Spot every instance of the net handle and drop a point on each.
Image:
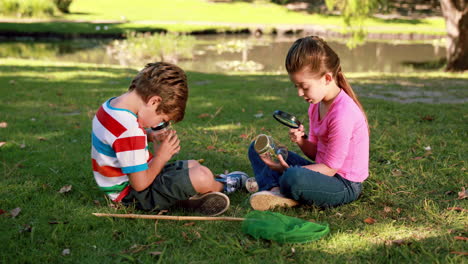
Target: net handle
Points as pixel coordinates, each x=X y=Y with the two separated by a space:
x=171 y=217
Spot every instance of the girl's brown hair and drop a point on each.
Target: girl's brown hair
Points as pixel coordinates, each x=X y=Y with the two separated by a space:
x=315 y=54
x=167 y=81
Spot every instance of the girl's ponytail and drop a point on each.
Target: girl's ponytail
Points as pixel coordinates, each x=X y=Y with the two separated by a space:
x=343 y=83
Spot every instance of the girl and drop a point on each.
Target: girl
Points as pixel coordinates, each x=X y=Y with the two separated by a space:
x=338 y=138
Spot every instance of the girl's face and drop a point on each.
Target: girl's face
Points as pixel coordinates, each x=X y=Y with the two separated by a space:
x=310 y=87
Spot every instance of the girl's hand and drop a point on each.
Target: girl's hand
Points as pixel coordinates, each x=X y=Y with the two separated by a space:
x=297 y=134
x=168 y=147
x=280 y=167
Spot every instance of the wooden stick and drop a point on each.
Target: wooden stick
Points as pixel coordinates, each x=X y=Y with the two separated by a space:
x=171 y=217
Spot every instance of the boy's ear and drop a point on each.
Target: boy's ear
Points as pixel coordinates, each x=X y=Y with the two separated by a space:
x=154 y=101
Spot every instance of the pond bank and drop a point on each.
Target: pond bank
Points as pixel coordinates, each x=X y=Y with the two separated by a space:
x=71 y=29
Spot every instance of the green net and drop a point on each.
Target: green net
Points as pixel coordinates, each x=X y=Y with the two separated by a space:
x=282 y=228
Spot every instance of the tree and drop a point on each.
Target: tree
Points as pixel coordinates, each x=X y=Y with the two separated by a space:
x=456 y=19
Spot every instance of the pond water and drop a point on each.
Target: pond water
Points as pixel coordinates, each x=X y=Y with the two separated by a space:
x=227 y=53
x=249 y=53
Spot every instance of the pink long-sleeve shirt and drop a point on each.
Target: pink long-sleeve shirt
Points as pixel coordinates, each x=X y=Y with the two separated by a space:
x=342 y=138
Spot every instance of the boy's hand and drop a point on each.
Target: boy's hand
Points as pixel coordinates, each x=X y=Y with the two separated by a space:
x=168 y=147
x=297 y=134
x=280 y=167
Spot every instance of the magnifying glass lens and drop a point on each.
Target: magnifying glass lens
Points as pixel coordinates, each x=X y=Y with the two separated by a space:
x=288 y=122
x=286 y=119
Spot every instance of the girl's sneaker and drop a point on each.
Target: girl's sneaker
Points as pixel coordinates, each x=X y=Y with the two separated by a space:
x=233 y=181
x=266 y=200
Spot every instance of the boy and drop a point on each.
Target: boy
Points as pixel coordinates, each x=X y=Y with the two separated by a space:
x=122 y=165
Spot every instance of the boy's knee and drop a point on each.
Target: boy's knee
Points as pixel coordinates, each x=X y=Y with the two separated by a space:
x=192 y=163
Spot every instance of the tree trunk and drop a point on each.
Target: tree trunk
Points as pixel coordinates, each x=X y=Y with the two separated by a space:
x=456 y=20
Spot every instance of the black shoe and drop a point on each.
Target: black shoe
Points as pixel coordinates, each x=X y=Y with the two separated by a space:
x=212 y=203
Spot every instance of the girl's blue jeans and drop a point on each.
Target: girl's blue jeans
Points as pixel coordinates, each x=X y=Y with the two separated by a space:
x=304 y=185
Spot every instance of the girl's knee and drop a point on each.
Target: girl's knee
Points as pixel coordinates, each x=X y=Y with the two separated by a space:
x=252 y=151
x=290 y=176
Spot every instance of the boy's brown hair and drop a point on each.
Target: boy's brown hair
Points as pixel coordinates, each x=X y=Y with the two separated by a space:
x=167 y=81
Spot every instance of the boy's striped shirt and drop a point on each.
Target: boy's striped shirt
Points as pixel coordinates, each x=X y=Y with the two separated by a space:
x=119 y=147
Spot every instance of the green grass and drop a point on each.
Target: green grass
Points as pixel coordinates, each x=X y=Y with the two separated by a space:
x=200 y=15
x=48 y=109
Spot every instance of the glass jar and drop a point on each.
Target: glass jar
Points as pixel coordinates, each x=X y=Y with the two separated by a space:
x=160 y=131
x=266 y=145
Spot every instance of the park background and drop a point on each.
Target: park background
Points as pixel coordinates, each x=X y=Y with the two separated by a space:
x=60 y=63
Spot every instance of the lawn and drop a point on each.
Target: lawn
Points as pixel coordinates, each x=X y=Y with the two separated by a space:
x=201 y=15
x=411 y=209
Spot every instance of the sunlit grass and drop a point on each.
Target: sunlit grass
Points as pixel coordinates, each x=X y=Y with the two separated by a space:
x=199 y=15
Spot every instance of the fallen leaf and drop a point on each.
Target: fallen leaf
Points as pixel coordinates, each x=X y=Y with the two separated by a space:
x=398 y=210
x=427 y=118
x=2 y=211
x=184 y=235
x=189 y=224
x=210 y=147
x=66 y=252
x=370 y=220
x=397 y=172
x=15 y=212
x=462 y=194
x=245 y=136
x=416 y=158
x=259 y=115
x=65 y=189
x=201 y=161
x=387 y=209
x=221 y=150
x=42 y=139
x=53 y=223
x=96 y=202
x=2 y=143
x=457 y=208
x=461 y=238
x=197 y=234
x=459 y=253
x=204 y=115
x=3 y=124
x=155 y=253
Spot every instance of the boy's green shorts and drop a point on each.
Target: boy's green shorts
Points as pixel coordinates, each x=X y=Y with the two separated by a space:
x=171 y=185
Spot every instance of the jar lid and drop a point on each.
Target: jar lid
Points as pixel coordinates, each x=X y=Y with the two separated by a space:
x=161 y=125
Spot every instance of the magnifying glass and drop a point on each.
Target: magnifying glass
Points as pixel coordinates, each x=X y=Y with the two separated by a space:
x=287 y=120
x=161 y=126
